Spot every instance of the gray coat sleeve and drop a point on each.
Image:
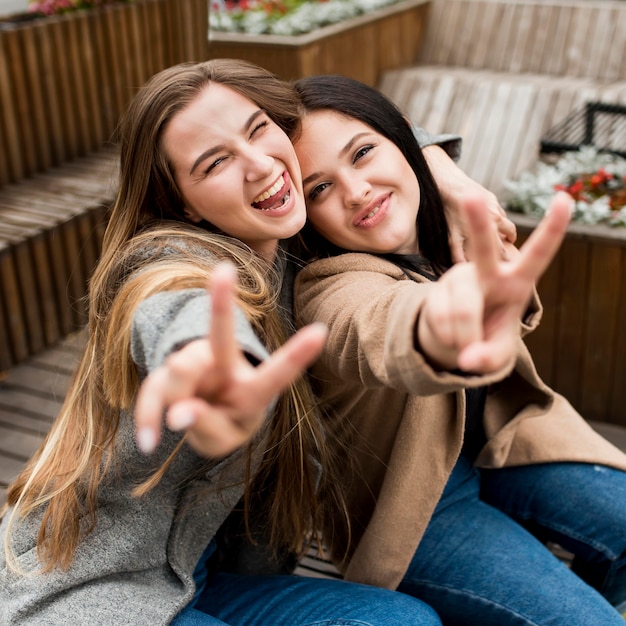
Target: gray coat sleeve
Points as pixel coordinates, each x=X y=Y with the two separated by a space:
x=450 y=143
x=167 y=321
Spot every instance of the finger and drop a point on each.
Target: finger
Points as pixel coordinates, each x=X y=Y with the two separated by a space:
x=222 y=331
x=544 y=242
x=179 y=377
x=507 y=229
x=467 y=314
x=437 y=321
x=483 y=242
x=289 y=362
x=457 y=247
x=488 y=356
x=151 y=403
x=211 y=431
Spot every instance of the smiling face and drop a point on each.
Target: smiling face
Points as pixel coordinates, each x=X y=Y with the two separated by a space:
x=236 y=169
x=361 y=193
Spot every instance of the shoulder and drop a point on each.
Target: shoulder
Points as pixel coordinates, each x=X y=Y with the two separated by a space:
x=168 y=320
x=360 y=262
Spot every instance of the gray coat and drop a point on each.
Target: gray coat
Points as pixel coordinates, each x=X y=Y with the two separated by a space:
x=136 y=567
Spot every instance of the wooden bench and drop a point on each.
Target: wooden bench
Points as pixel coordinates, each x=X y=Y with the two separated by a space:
x=500 y=115
x=574 y=38
x=51 y=228
x=64 y=81
x=502 y=73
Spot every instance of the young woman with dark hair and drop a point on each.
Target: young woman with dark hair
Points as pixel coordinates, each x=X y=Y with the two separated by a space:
x=458 y=461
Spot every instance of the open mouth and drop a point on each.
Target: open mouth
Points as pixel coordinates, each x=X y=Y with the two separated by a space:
x=371 y=215
x=275 y=197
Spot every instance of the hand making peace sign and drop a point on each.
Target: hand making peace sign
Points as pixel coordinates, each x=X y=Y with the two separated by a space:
x=471 y=317
x=211 y=390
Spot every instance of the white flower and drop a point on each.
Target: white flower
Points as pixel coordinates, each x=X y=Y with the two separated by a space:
x=593 y=178
x=303 y=18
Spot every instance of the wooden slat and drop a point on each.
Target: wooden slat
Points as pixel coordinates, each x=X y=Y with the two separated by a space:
x=12 y=148
x=28 y=403
x=13 y=308
x=29 y=296
x=570 y=306
x=617 y=399
x=606 y=284
x=614 y=59
x=60 y=68
x=45 y=73
x=36 y=425
x=34 y=86
x=580 y=38
x=20 y=445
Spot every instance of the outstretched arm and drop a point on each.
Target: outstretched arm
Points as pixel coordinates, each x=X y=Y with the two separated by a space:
x=454 y=186
x=210 y=389
x=471 y=319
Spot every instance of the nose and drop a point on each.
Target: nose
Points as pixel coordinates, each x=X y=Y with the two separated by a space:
x=356 y=190
x=259 y=164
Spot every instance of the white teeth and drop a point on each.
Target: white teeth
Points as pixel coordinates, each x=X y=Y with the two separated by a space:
x=276 y=187
x=372 y=212
x=284 y=200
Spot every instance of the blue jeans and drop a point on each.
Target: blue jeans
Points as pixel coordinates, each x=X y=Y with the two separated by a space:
x=238 y=600
x=482 y=559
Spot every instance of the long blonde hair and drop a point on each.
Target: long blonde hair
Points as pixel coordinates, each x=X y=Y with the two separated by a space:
x=148 y=248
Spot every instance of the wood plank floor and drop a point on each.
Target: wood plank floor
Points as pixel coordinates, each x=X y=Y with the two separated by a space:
x=31 y=395
x=30 y=398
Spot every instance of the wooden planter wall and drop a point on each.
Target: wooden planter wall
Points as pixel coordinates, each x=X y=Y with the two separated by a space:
x=63 y=83
x=362 y=47
x=580 y=345
x=65 y=79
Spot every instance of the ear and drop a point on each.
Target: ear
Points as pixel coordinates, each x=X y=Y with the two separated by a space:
x=408 y=121
x=192 y=215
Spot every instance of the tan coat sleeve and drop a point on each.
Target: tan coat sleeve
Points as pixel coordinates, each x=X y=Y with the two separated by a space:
x=371 y=309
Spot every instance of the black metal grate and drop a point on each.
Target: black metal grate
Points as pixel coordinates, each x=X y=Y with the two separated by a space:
x=597 y=124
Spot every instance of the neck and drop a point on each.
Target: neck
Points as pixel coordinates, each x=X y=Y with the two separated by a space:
x=267 y=250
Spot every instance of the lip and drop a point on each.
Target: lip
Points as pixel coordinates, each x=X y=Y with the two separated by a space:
x=380 y=204
x=285 y=196
x=271 y=195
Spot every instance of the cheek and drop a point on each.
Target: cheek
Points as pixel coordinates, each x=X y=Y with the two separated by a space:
x=327 y=222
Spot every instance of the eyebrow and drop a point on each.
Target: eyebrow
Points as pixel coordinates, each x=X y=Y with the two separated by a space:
x=211 y=151
x=342 y=153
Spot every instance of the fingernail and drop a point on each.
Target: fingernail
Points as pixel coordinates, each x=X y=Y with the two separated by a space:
x=146 y=440
x=181 y=421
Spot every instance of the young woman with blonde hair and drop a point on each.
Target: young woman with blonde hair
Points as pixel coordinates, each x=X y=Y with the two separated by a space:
x=121 y=522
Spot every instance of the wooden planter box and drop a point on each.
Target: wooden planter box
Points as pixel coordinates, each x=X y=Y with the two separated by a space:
x=580 y=345
x=361 y=47
x=65 y=79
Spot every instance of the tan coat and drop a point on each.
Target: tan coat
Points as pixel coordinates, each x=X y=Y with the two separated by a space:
x=398 y=424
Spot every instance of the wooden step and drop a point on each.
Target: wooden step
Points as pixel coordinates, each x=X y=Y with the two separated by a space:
x=51 y=228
